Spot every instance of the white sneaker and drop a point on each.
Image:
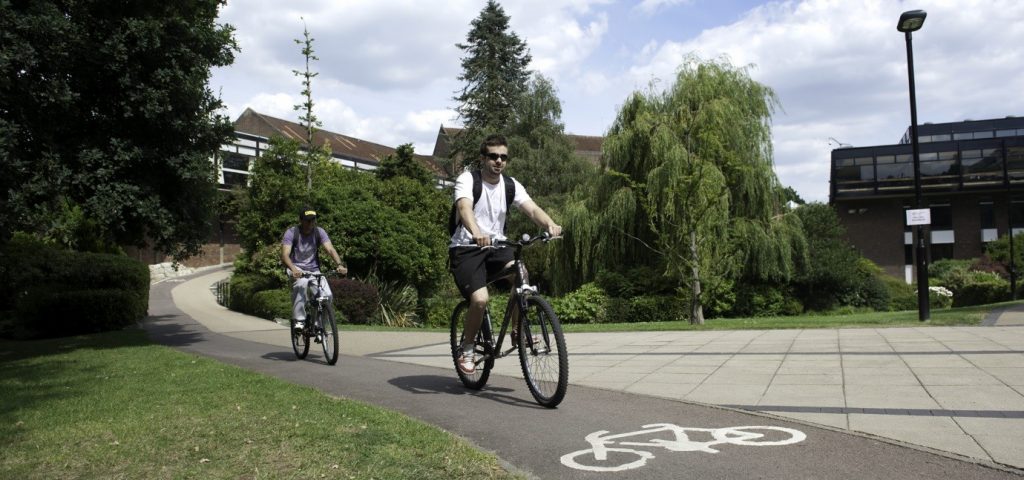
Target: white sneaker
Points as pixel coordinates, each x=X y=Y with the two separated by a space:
x=300 y=325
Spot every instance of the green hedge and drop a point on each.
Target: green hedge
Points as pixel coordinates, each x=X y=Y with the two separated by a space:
x=243 y=293
x=53 y=292
x=660 y=308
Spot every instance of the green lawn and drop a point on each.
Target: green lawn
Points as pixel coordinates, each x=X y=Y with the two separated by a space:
x=115 y=406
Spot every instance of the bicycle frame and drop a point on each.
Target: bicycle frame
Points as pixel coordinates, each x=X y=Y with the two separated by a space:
x=517 y=299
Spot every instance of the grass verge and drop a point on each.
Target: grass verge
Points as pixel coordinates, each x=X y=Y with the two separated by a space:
x=961 y=316
x=115 y=406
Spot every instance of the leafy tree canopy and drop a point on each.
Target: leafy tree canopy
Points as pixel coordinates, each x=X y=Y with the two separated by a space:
x=689 y=186
x=106 y=122
x=402 y=163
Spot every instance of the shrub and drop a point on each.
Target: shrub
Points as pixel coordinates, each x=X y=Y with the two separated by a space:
x=765 y=301
x=243 y=291
x=271 y=304
x=646 y=309
x=584 y=305
x=358 y=301
x=939 y=297
x=980 y=288
x=53 y=292
x=397 y=303
x=439 y=310
x=901 y=294
x=969 y=287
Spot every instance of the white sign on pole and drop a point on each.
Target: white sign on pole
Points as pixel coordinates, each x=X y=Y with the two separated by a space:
x=919 y=216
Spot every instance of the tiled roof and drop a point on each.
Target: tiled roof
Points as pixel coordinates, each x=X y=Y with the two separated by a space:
x=343 y=146
x=587 y=146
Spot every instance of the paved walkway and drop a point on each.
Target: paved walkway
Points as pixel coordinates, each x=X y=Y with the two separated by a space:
x=958 y=390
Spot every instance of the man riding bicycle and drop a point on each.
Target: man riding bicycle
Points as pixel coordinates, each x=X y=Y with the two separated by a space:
x=481 y=204
x=300 y=252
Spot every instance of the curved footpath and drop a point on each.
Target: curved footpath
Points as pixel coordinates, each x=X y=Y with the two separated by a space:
x=937 y=396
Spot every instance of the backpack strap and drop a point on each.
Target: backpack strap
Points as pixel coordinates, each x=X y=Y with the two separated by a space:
x=477 y=186
x=510 y=196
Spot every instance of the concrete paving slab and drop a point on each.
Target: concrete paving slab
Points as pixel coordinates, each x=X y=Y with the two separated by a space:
x=978 y=397
x=808 y=379
x=934 y=432
x=889 y=396
x=804 y=395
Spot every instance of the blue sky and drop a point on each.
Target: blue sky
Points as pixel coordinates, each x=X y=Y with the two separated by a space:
x=388 y=68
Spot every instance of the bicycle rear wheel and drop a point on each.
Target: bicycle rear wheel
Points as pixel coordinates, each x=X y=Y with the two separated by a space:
x=300 y=341
x=477 y=379
x=542 y=352
x=330 y=334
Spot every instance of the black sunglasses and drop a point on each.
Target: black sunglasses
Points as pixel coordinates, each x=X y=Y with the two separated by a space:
x=495 y=156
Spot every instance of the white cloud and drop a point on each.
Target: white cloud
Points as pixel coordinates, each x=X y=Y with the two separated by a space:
x=649 y=7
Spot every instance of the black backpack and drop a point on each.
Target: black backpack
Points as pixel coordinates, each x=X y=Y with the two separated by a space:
x=510 y=194
x=296 y=233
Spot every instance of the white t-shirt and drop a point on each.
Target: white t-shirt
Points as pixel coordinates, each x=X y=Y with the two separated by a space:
x=489 y=210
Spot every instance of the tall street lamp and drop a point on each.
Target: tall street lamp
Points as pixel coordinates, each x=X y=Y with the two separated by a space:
x=910 y=22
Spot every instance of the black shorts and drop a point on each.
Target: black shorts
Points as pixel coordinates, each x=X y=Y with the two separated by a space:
x=472 y=265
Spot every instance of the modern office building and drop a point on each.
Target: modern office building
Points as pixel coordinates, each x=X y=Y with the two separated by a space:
x=972 y=179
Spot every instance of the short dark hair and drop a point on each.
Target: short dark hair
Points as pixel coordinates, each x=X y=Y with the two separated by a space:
x=493 y=140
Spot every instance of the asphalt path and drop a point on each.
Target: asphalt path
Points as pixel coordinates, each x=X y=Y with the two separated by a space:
x=681 y=440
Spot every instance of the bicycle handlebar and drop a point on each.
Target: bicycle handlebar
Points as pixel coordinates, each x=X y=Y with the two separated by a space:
x=526 y=240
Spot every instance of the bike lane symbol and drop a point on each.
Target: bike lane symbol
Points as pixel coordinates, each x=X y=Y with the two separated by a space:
x=596 y=458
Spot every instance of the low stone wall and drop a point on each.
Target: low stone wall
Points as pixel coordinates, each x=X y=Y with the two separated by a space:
x=163 y=271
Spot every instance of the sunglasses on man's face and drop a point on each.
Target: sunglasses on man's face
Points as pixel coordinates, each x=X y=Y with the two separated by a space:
x=495 y=156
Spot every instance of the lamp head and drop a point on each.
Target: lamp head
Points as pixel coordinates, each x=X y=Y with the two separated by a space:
x=911 y=21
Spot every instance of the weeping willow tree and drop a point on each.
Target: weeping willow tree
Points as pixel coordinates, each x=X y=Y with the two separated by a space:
x=688 y=187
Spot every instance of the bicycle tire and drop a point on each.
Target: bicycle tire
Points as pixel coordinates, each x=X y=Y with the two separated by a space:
x=330 y=334
x=478 y=379
x=300 y=341
x=545 y=364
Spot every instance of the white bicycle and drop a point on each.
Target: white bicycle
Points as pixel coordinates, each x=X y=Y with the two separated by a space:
x=685 y=439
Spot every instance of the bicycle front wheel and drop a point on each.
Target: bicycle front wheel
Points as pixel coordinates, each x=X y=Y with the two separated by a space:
x=329 y=339
x=300 y=342
x=542 y=352
x=478 y=378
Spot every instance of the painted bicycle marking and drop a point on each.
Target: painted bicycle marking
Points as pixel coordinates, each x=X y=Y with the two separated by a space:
x=686 y=439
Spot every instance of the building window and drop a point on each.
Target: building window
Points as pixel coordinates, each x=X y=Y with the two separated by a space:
x=941 y=251
x=236 y=161
x=988 y=221
x=942 y=217
x=982 y=166
x=235 y=179
x=1015 y=162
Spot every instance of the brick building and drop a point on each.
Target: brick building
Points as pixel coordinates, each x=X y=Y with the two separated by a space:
x=972 y=179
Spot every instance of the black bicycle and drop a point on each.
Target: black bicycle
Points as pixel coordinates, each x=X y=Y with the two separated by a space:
x=320 y=325
x=536 y=334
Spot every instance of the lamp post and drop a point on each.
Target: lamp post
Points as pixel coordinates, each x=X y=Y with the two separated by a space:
x=910 y=22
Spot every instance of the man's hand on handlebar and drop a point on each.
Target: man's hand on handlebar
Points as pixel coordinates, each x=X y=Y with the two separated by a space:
x=296 y=272
x=341 y=269
x=482 y=240
x=555 y=230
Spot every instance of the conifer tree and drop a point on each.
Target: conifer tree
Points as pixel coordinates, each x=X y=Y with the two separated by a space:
x=495 y=73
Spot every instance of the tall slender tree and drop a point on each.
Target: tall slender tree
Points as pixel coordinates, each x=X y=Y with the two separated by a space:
x=495 y=73
x=308 y=119
x=689 y=186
